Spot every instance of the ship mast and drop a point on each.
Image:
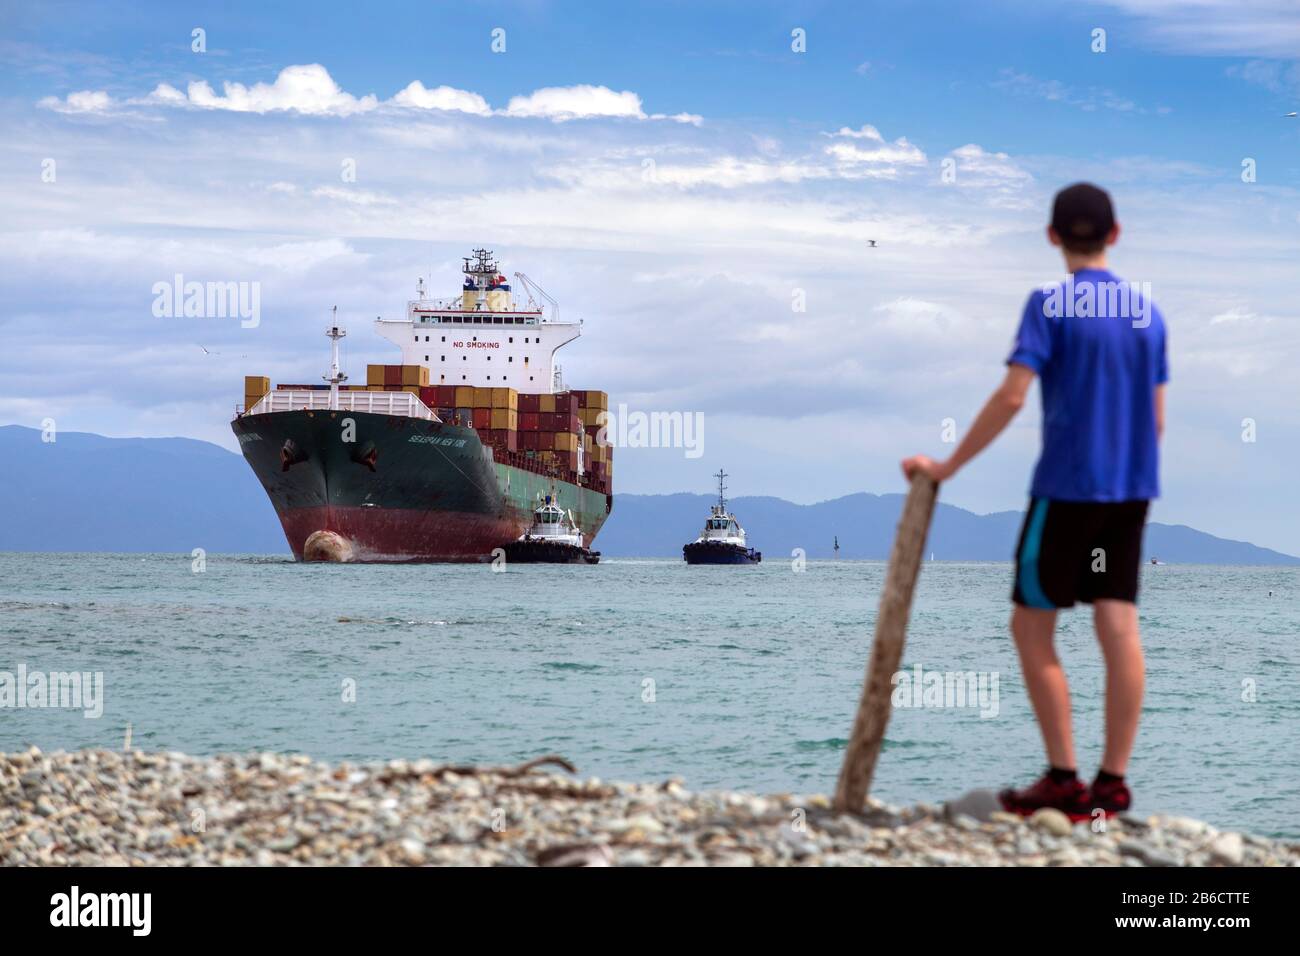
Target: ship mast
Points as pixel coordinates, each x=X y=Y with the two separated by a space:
x=482 y=269
x=335 y=377
x=722 y=501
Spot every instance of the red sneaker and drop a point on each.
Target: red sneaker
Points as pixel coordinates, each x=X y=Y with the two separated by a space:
x=1111 y=797
x=1070 y=797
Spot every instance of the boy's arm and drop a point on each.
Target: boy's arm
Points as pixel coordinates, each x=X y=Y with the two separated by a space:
x=1160 y=411
x=989 y=423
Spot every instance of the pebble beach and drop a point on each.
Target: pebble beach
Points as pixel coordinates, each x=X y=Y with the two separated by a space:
x=97 y=807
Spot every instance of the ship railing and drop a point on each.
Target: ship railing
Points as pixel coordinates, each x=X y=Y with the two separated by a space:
x=377 y=403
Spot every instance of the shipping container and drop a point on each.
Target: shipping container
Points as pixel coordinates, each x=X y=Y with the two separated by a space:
x=546 y=403
x=464 y=396
x=375 y=374
x=545 y=440
x=507 y=439
x=528 y=402
x=482 y=418
x=505 y=398
x=375 y=388
x=414 y=374
x=529 y=421
x=447 y=414
x=505 y=418
x=566 y=441
x=446 y=396
x=528 y=440
x=392 y=375
x=566 y=403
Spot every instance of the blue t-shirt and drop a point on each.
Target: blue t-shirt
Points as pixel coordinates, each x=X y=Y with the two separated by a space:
x=1098 y=347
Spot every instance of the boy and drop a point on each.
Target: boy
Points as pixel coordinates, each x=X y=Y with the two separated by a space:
x=1099 y=351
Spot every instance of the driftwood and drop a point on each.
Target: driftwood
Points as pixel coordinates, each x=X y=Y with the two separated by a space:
x=887 y=650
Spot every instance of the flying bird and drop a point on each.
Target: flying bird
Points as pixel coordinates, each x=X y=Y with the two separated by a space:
x=872 y=243
x=1291 y=114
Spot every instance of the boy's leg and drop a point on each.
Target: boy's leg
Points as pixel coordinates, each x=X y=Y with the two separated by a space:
x=1121 y=646
x=1033 y=630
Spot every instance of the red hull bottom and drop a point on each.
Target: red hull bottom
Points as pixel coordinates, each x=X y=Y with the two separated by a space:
x=397 y=534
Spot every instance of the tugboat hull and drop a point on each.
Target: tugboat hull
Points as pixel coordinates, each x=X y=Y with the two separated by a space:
x=549 y=552
x=707 y=552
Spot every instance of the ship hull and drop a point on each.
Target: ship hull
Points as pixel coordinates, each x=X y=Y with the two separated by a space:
x=403 y=489
x=698 y=552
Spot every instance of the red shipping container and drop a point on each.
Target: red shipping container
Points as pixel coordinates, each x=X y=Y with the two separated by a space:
x=566 y=403
x=392 y=375
x=482 y=417
x=528 y=402
x=429 y=395
x=528 y=421
x=505 y=438
x=528 y=440
x=446 y=395
x=545 y=441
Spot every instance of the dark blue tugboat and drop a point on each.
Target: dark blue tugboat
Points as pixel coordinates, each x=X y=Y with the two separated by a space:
x=723 y=539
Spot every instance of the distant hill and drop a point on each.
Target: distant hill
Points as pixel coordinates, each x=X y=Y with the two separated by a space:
x=89 y=493
x=652 y=525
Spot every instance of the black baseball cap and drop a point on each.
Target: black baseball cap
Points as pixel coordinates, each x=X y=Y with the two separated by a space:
x=1083 y=214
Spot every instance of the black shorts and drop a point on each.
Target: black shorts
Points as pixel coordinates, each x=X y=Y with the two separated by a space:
x=1079 y=551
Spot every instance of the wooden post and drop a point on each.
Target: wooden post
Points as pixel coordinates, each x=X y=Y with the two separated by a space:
x=887 y=650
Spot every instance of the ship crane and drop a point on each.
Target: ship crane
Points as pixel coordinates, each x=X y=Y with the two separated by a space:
x=531 y=287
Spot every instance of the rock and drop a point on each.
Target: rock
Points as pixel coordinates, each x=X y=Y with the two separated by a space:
x=979 y=805
x=1146 y=854
x=1051 y=821
x=1228 y=849
x=1001 y=816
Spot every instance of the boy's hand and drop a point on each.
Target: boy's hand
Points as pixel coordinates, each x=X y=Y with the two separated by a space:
x=938 y=470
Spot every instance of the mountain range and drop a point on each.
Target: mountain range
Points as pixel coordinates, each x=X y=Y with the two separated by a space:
x=85 y=492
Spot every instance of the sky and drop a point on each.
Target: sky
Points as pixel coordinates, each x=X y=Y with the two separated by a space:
x=682 y=176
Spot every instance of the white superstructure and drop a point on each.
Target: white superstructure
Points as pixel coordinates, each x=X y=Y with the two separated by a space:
x=484 y=338
x=721 y=527
x=553 y=524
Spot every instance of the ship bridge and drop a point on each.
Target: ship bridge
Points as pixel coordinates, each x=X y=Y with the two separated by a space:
x=484 y=337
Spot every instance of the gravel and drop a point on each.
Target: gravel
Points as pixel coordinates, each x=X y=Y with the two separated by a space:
x=98 y=807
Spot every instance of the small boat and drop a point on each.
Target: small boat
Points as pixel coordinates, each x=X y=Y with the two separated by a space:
x=553 y=538
x=723 y=539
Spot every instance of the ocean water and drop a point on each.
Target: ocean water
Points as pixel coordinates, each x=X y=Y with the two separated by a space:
x=739 y=677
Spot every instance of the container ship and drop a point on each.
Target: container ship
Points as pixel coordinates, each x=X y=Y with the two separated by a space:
x=444 y=456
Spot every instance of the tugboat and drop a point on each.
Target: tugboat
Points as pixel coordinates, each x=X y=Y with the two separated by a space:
x=553 y=538
x=723 y=539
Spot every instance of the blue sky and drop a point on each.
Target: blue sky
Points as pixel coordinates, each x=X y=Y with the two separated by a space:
x=771 y=170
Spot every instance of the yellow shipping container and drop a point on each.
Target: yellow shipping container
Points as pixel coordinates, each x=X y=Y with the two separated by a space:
x=505 y=398
x=374 y=388
x=415 y=375
x=257 y=385
x=590 y=416
x=566 y=441
x=413 y=389
x=506 y=418
x=597 y=400
x=546 y=402
x=464 y=396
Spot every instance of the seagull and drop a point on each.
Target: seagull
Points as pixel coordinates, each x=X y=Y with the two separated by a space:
x=1291 y=114
x=872 y=243
x=206 y=352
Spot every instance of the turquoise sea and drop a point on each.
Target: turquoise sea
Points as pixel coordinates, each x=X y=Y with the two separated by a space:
x=736 y=677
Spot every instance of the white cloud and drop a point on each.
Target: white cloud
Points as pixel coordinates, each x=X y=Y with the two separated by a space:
x=874 y=149
x=306 y=89
x=1218 y=27
x=309 y=89
x=85 y=101
x=561 y=103
x=417 y=96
